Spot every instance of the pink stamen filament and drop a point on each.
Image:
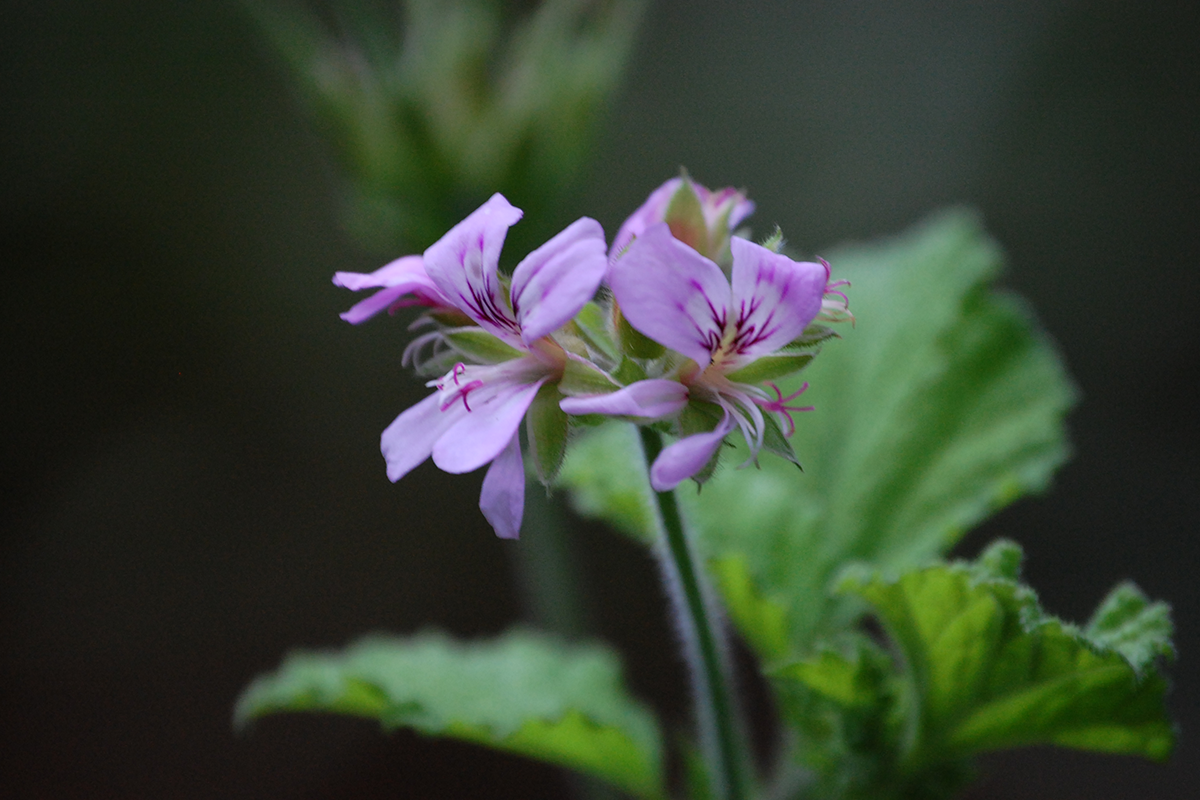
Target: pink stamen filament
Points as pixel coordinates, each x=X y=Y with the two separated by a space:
x=780 y=405
x=832 y=289
x=462 y=392
x=461 y=389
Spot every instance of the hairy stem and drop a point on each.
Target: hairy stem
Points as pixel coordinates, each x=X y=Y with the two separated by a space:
x=720 y=734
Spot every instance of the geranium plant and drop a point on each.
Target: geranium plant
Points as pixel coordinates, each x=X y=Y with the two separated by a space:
x=848 y=418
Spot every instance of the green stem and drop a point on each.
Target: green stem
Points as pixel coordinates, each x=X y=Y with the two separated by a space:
x=720 y=734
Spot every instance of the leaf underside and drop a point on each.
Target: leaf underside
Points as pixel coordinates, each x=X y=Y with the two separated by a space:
x=524 y=693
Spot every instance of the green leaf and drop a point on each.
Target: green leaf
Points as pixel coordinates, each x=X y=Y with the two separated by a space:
x=1133 y=626
x=764 y=620
x=985 y=668
x=849 y=681
x=942 y=405
x=524 y=693
x=841 y=701
x=606 y=475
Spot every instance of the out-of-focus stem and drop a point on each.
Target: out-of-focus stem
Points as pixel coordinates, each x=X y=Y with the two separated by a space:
x=720 y=734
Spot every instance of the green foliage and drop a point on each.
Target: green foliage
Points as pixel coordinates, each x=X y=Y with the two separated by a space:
x=981 y=667
x=943 y=404
x=432 y=105
x=606 y=475
x=524 y=693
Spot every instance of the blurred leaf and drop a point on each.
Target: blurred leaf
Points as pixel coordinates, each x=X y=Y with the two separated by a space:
x=605 y=473
x=524 y=693
x=433 y=105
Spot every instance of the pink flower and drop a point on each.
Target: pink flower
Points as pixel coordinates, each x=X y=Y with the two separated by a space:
x=723 y=328
x=473 y=417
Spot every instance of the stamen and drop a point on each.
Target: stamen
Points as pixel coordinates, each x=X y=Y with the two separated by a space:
x=462 y=392
x=780 y=405
x=411 y=357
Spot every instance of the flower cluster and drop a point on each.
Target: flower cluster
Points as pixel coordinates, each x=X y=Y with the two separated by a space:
x=696 y=324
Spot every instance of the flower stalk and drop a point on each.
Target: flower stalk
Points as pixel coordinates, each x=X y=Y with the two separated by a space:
x=721 y=739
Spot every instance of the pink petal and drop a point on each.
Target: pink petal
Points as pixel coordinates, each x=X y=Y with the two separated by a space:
x=774 y=298
x=552 y=283
x=653 y=398
x=650 y=212
x=478 y=435
x=671 y=293
x=380 y=301
x=410 y=438
x=463 y=264
x=683 y=459
x=502 y=499
x=401 y=277
x=400 y=271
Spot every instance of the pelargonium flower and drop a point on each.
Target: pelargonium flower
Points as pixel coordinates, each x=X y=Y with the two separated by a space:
x=732 y=335
x=474 y=415
x=698 y=216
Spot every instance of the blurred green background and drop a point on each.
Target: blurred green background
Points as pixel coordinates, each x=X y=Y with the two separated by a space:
x=191 y=478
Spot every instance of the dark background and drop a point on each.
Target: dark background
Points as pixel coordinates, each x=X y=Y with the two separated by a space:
x=191 y=478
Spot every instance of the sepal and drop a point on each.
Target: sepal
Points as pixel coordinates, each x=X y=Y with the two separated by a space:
x=479 y=346
x=701 y=417
x=547 y=427
x=633 y=342
x=812 y=337
x=772 y=367
x=582 y=377
x=776 y=443
x=591 y=325
x=685 y=217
